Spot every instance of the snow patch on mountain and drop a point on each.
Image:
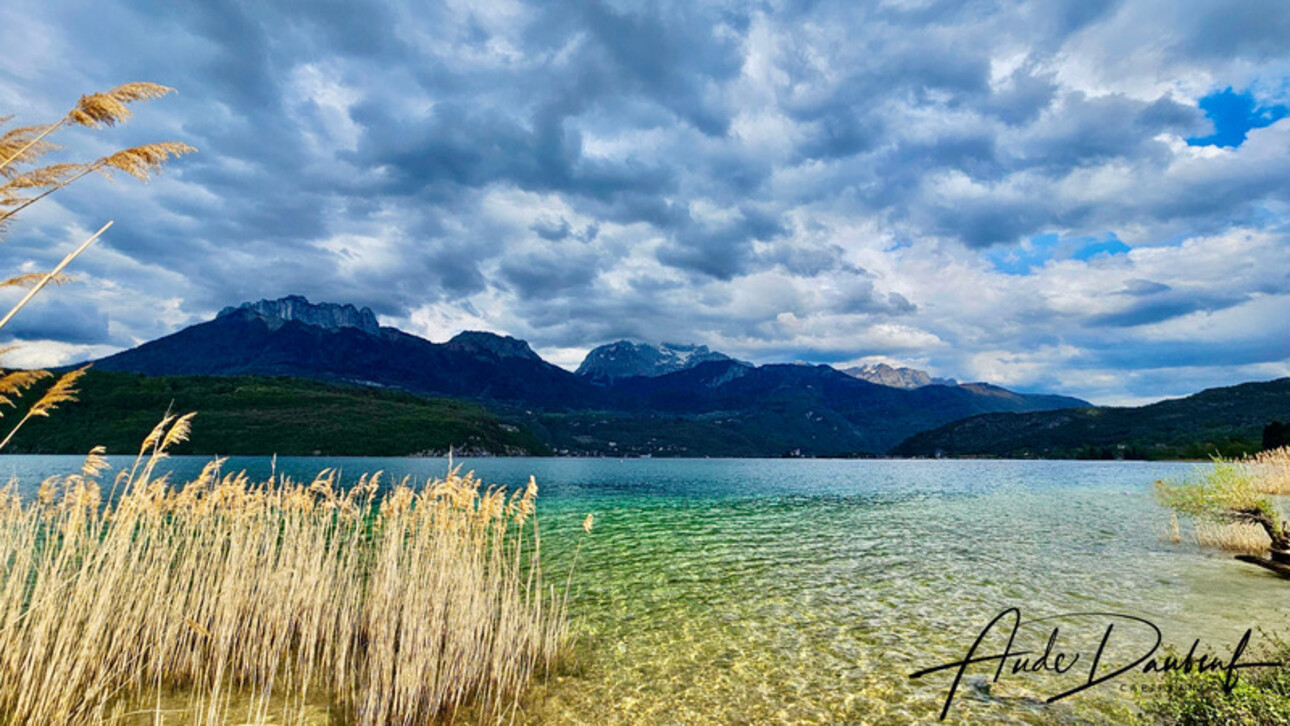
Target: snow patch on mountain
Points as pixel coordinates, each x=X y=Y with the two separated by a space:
x=625 y=359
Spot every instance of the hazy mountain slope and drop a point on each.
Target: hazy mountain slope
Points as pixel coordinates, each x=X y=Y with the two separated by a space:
x=1185 y=427
x=816 y=408
x=257 y=415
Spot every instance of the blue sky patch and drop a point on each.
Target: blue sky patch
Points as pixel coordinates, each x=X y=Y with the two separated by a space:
x=1038 y=250
x=1233 y=115
x=1023 y=258
x=1106 y=247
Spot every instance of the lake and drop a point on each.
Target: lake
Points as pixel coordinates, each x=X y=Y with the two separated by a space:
x=755 y=591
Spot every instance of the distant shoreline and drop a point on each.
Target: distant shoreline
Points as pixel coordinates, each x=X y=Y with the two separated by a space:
x=260 y=416
x=460 y=456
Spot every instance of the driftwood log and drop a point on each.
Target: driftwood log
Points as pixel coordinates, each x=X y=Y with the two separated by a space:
x=1279 y=534
x=1280 y=568
x=1278 y=560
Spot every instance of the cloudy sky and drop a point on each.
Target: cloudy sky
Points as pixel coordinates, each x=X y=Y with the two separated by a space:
x=1085 y=197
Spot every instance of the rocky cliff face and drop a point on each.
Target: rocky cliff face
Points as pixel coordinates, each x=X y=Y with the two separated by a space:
x=907 y=378
x=329 y=316
x=625 y=359
x=479 y=342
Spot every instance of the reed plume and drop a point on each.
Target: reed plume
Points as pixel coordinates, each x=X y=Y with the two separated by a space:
x=95 y=110
x=63 y=391
x=31 y=279
x=109 y=109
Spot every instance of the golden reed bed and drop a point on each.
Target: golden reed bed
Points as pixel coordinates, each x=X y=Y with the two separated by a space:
x=1271 y=470
x=254 y=602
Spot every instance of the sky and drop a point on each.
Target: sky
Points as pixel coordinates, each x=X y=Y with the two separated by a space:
x=1083 y=197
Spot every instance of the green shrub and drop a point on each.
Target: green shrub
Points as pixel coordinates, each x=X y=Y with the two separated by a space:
x=1261 y=696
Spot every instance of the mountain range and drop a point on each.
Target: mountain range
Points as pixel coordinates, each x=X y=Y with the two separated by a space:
x=255 y=340
x=627 y=398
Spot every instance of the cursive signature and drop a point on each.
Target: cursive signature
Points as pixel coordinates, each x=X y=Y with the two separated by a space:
x=1053 y=660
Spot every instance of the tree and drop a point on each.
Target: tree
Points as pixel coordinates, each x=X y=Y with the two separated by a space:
x=23 y=183
x=1276 y=435
x=1228 y=493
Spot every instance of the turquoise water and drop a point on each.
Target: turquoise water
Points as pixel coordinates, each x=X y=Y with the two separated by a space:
x=755 y=591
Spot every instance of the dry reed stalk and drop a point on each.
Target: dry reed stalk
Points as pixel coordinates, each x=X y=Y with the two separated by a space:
x=396 y=607
x=1271 y=470
x=50 y=277
x=1233 y=537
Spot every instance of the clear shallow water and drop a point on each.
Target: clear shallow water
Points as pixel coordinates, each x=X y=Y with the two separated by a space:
x=755 y=591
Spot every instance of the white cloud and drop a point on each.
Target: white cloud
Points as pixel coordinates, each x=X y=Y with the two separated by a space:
x=806 y=180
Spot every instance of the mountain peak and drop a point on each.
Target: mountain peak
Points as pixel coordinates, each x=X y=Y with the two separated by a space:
x=502 y=346
x=626 y=359
x=330 y=316
x=885 y=375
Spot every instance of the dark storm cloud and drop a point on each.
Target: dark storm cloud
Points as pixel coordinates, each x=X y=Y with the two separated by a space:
x=720 y=250
x=990 y=221
x=1254 y=30
x=669 y=57
x=806 y=260
x=1142 y=288
x=1093 y=130
x=58 y=319
x=1167 y=304
x=1191 y=354
x=547 y=274
x=1022 y=98
x=552 y=231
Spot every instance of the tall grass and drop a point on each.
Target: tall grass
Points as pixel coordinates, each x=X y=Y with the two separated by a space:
x=255 y=601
